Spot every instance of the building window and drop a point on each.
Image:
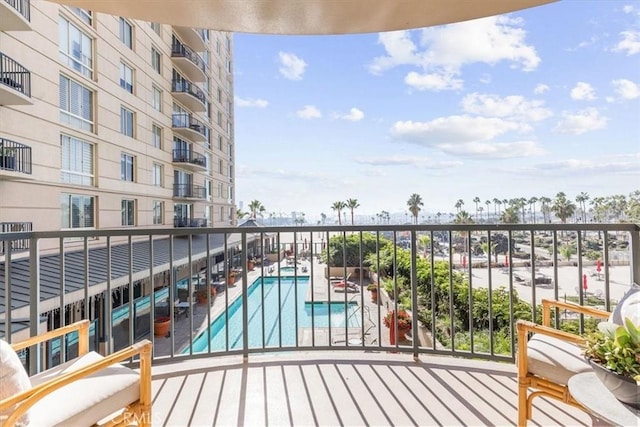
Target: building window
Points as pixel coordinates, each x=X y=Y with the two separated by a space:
x=77 y=211
x=156 y=60
x=156 y=136
x=76 y=48
x=228 y=44
x=126 y=33
x=126 y=122
x=76 y=161
x=157 y=175
x=155 y=27
x=76 y=104
x=126 y=77
x=220 y=166
x=158 y=209
x=229 y=128
x=128 y=212
x=220 y=142
x=220 y=95
x=208 y=187
x=220 y=189
x=84 y=15
x=126 y=167
x=219 y=118
x=229 y=66
x=156 y=98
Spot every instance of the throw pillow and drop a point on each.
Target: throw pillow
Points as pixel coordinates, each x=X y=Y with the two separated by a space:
x=628 y=306
x=13 y=379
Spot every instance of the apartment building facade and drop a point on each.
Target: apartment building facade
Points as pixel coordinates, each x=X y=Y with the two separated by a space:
x=108 y=122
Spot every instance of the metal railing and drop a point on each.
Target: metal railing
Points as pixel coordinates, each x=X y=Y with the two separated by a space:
x=181 y=51
x=23 y=7
x=186 y=86
x=18 y=245
x=14 y=75
x=189 y=222
x=189 y=191
x=14 y=156
x=189 y=156
x=186 y=120
x=310 y=288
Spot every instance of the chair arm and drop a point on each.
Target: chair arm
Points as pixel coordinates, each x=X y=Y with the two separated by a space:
x=82 y=326
x=28 y=398
x=590 y=311
x=524 y=326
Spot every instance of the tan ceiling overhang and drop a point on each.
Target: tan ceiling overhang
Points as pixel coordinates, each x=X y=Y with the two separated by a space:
x=304 y=16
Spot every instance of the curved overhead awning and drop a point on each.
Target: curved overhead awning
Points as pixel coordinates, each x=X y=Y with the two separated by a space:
x=304 y=16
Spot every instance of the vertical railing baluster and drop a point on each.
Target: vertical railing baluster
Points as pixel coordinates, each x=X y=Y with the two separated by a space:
x=414 y=293
x=245 y=300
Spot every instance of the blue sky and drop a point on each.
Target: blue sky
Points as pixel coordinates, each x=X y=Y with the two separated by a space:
x=519 y=105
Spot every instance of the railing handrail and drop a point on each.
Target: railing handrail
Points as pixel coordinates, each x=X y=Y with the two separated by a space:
x=14 y=75
x=15 y=156
x=179 y=49
x=185 y=86
x=23 y=7
x=189 y=156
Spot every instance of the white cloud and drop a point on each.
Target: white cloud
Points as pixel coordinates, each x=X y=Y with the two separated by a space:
x=433 y=81
x=421 y=162
x=493 y=150
x=628 y=9
x=291 y=67
x=540 y=89
x=513 y=107
x=309 y=112
x=251 y=102
x=583 y=121
x=573 y=167
x=583 y=92
x=444 y=50
x=626 y=89
x=485 y=78
x=630 y=42
x=354 y=115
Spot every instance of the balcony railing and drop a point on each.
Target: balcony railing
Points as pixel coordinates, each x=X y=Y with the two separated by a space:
x=187 y=121
x=19 y=245
x=189 y=156
x=23 y=7
x=189 y=191
x=14 y=75
x=310 y=288
x=189 y=222
x=180 y=50
x=188 y=87
x=14 y=156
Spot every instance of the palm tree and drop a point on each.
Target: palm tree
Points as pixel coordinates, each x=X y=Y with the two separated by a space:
x=439 y=214
x=488 y=203
x=256 y=208
x=463 y=217
x=476 y=200
x=459 y=204
x=545 y=208
x=562 y=207
x=582 y=199
x=352 y=204
x=532 y=205
x=509 y=215
x=338 y=206
x=496 y=206
x=323 y=218
x=414 y=203
x=240 y=214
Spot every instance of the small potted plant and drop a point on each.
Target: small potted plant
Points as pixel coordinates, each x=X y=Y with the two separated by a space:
x=373 y=288
x=614 y=353
x=7 y=157
x=161 y=326
x=403 y=320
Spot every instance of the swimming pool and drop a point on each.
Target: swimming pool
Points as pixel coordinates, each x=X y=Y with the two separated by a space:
x=287 y=270
x=287 y=294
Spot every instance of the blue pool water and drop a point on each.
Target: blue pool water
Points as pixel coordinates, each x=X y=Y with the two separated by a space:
x=277 y=330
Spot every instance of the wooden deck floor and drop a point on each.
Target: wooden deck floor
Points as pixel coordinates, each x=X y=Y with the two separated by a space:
x=344 y=388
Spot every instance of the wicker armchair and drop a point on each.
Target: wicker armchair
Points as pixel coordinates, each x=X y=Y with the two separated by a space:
x=549 y=358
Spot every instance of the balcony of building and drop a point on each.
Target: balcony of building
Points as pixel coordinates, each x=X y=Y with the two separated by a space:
x=187 y=126
x=260 y=345
x=15 y=82
x=16 y=15
x=188 y=62
x=189 y=192
x=15 y=160
x=189 y=159
x=19 y=245
x=192 y=37
x=189 y=95
x=189 y=222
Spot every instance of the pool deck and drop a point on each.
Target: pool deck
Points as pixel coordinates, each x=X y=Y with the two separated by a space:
x=185 y=329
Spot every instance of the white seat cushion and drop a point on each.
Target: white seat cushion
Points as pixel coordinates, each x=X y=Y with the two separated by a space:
x=85 y=401
x=554 y=359
x=13 y=379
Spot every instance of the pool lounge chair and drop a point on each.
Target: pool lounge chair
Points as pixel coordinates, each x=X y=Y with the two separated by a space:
x=346 y=286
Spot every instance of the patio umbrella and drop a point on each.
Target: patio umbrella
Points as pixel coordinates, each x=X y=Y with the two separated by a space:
x=306 y=16
x=584 y=282
x=464 y=261
x=506 y=260
x=599 y=266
